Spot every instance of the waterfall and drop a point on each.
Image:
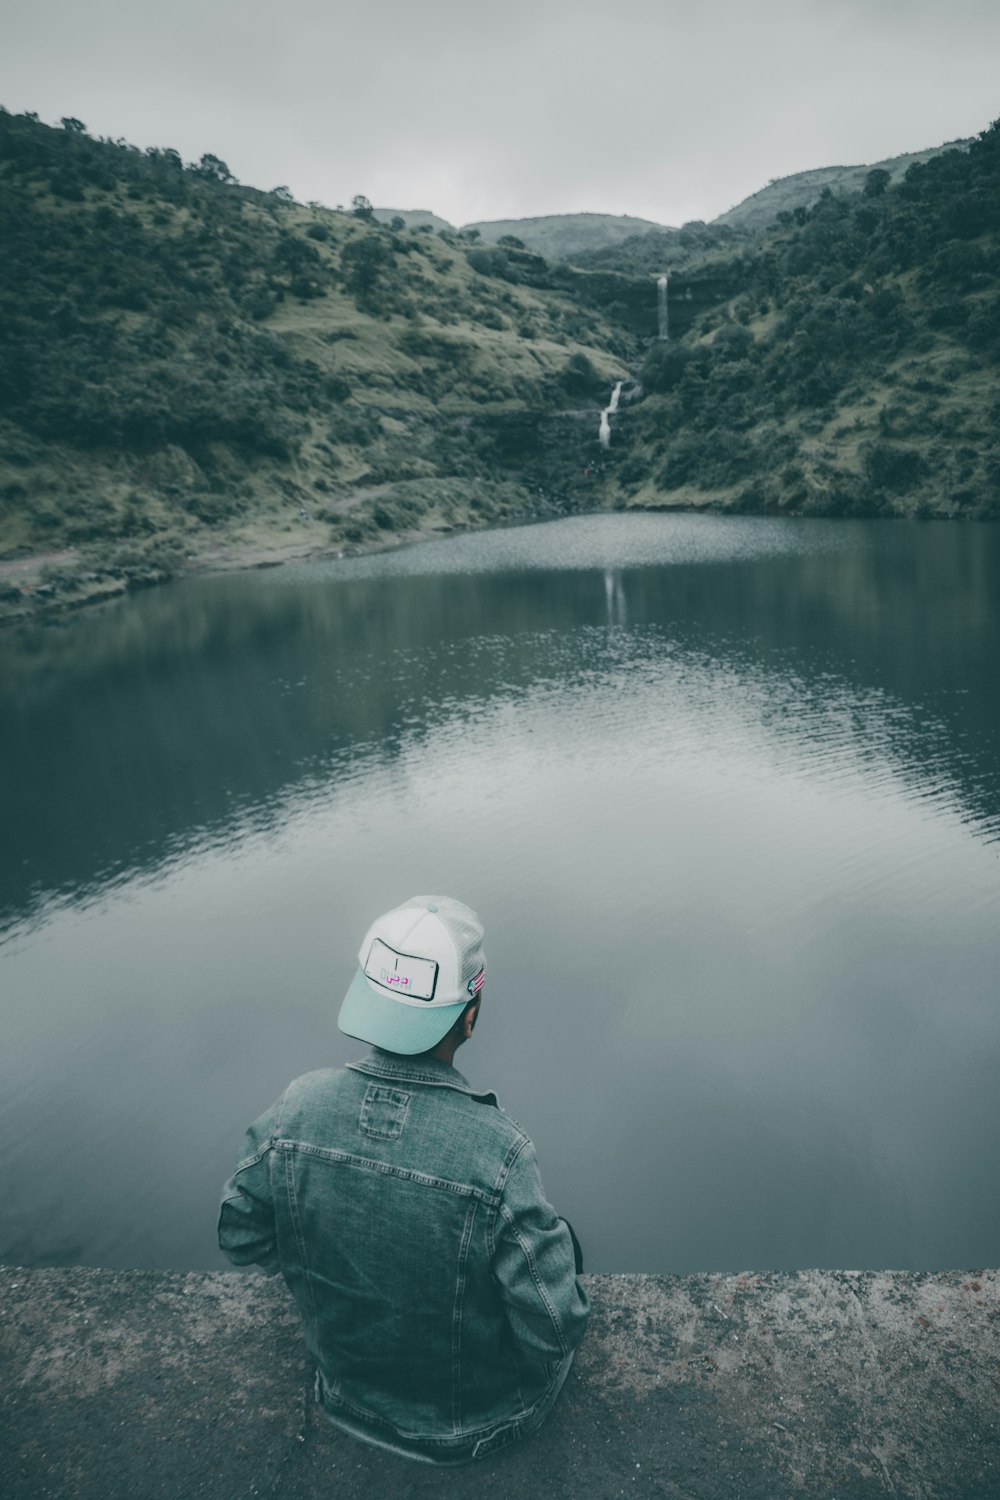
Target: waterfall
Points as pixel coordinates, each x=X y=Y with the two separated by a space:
x=661 y=306
x=609 y=411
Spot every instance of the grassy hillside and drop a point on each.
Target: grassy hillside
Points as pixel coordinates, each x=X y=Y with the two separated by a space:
x=803 y=189
x=413 y=218
x=851 y=366
x=697 y=244
x=184 y=362
x=563 y=236
x=190 y=369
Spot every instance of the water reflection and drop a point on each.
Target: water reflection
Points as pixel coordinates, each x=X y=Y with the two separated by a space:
x=734 y=854
x=614 y=594
x=126 y=735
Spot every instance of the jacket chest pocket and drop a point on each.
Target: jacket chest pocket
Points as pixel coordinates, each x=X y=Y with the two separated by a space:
x=383 y=1113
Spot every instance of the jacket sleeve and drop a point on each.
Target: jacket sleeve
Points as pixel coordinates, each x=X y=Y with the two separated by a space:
x=247 y=1226
x=535 y=1268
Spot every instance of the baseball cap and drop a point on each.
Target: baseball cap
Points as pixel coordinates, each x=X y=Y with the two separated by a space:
x=419 y=966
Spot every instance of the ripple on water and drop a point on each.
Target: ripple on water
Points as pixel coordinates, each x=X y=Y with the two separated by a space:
x=606 y=543
x=742 y=917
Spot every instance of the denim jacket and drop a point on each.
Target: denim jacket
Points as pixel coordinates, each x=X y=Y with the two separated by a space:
x=437 y=1287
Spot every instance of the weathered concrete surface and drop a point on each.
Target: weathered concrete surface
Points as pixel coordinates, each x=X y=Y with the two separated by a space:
x=837 y=1385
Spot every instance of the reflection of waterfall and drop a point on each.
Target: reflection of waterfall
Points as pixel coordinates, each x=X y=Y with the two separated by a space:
x=614 y=595
x=661 y=306
x=609 y=411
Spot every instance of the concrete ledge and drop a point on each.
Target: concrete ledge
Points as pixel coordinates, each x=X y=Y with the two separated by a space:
x=164 y=1386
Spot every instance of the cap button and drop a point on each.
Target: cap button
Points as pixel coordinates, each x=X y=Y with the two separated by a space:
x=432 y=907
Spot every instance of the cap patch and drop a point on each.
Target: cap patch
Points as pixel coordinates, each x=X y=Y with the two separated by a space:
x=403 y=974
x=476 y=982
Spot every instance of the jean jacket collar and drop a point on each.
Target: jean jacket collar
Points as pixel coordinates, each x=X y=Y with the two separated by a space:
x=421 y=1070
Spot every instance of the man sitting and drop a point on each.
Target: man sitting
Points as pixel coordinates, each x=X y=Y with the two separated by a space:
x=437 y=1287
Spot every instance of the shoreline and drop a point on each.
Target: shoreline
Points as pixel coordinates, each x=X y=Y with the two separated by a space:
x=35 y=589
x=46 y=587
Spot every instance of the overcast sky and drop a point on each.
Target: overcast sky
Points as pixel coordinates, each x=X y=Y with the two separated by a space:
x=517 y=107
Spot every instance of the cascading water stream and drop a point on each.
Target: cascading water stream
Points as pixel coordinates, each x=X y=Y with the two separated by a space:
x=609 y=411
x=661 y=306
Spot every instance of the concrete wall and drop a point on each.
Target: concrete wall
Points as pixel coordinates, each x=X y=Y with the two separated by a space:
x=838 y=1385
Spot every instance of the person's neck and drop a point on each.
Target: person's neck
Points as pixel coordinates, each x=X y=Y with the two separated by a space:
x=445 y=1050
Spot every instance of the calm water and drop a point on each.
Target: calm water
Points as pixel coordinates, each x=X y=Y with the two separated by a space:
x=725 y=792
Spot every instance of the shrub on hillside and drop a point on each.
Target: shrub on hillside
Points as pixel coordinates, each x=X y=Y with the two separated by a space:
x=364 y=262
x=579 y=380
x=664 y=366
x=892 y=467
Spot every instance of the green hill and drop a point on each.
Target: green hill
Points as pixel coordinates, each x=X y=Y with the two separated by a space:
x=563 y=236
x=193 y=370
x=186 y=364
x=656 y=249
x=843 y=362
x=413 y=218
x=803 y=189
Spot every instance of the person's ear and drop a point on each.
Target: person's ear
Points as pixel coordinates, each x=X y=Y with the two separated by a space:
x=469 y=1021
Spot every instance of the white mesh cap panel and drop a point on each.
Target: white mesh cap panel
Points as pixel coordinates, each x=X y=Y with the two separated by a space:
x=465 y=929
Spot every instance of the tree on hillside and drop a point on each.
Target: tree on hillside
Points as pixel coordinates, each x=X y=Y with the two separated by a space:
x=362 y=263
x=579 y=379
x=75 y=127
x=214 y=167
x=165 y=154
x=361 y=208
x=876 y=182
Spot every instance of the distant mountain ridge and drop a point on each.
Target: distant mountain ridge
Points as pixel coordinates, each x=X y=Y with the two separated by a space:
x=558 y=236
x=803 y=189
x=565 y=236
x=555 y=236
x=413 y=218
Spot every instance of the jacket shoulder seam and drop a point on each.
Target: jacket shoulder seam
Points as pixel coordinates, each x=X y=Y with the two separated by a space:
x=516 y=1147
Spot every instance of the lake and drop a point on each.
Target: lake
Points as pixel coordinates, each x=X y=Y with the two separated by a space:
x=725 y=792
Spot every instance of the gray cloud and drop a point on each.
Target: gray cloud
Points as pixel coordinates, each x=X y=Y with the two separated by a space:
x=665 y=110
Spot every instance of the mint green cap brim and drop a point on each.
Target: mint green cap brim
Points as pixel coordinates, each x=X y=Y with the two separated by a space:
x=374 y=1017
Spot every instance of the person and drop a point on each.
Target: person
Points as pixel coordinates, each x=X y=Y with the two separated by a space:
x=437 y=1287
